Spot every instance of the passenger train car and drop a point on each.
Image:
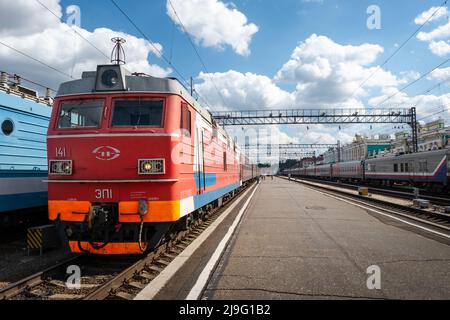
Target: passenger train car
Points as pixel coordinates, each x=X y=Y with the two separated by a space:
x=132 y=158
x=24 y=119
x=429 y=169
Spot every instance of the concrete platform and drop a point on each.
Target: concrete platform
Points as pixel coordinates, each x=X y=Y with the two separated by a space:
x=295 y=243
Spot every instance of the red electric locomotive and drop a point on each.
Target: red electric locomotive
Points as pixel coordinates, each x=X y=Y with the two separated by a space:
x=133 y=158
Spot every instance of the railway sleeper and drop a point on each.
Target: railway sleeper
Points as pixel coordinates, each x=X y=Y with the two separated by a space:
x=124 y=295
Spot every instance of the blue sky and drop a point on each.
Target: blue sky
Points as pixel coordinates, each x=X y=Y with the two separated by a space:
x=261 y=54
x=283 y=24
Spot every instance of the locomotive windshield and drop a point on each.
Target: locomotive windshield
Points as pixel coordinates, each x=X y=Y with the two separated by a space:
x=80 y=114
x=138 y=113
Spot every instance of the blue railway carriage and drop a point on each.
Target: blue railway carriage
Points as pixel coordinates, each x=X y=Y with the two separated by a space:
x=425 y=168
x=24 y=119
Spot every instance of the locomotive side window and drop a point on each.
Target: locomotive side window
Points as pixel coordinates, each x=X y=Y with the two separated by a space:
x=80 y=114
x=7 y=127
x=225 y=166
x=138 y=113
x=185 y=119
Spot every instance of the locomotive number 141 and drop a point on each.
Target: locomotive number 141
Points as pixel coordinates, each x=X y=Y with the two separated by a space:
x=103 y=194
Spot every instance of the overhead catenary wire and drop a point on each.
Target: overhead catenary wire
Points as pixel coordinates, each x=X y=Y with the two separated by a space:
x=74 y=30
x=168 y=61
x=398 y=48
x=411 y=83
x=44 y=63
x=107 y=57
x=395 y=53
x=197 y=53
x=426 y=92
x=35 y=59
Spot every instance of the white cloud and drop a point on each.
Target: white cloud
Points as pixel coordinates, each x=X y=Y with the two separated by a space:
x=22 y=17
x=214 y=24
x=440 y=48
x=424 y=16
x=313 y=1
x=440 y=32
x=408 y=76
x=243 y=91
x=428 y=106
x=440 y=74
x=43 y=36
x=431 y=107
x=438 y=37
x=327 y=73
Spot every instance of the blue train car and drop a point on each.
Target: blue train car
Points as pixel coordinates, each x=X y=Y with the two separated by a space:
x=24 y=120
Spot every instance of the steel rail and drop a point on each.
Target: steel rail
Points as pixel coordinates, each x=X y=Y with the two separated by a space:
x=32 y=281
x=385 y=191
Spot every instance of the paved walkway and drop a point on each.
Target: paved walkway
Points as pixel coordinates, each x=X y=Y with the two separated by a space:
x=295 y=243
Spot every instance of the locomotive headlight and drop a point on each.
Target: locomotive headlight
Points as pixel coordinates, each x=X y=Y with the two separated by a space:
x=110 y=78
x=151 y=166
x=148 y=166
x=61 y=167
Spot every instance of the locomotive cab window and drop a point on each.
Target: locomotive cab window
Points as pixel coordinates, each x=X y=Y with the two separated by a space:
x=80 y=114
x=138 y=113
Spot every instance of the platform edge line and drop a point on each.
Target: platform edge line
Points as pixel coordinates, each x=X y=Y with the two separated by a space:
x=157 y=284
x=205 y=275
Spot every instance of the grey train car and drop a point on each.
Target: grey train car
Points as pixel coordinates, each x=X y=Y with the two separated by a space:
x=324 y=171
x=353 y=170
x=418 y=168
x=430 y=169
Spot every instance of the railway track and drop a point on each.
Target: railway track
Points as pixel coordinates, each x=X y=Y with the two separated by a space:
x=105 y=277
x=50 y=284
x=397 y=192
x=435 y=220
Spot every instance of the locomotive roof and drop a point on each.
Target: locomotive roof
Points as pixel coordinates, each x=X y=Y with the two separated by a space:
x=138 y=83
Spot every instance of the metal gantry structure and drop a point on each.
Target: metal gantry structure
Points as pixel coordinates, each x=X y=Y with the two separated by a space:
x=321 y=116
x=291 y=150
x=295 y=154
x=293 y=146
